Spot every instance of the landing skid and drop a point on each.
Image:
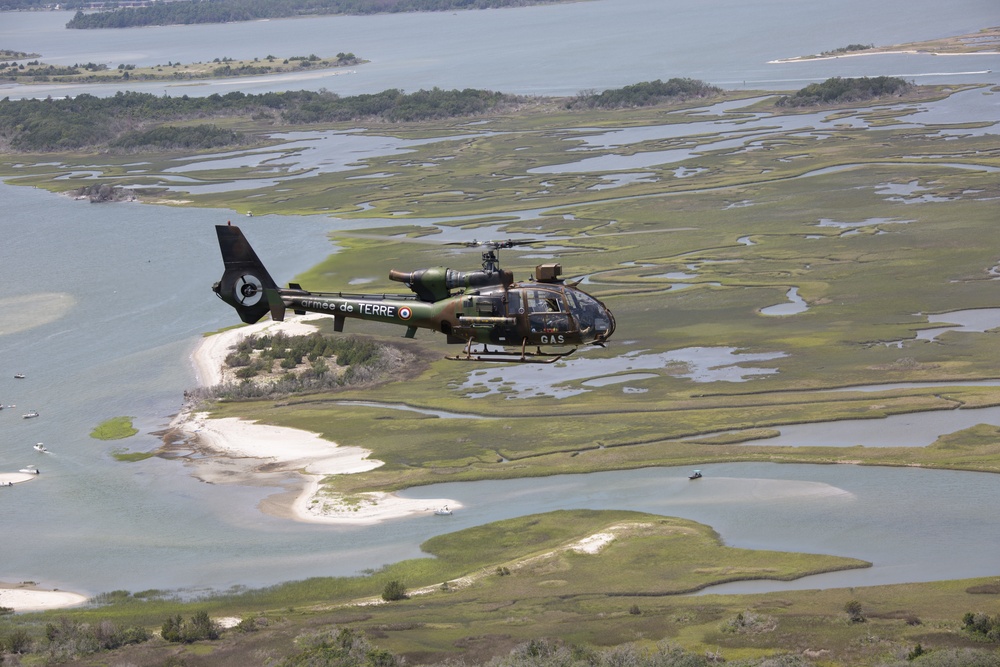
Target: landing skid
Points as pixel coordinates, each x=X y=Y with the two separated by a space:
x=508 y=356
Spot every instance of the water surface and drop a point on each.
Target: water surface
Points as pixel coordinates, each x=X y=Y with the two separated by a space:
x=547 y=50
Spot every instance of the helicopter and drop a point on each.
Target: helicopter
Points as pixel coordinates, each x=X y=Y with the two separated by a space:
x=484 y=307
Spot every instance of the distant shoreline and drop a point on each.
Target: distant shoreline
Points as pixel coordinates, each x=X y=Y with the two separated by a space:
x=986 y=42
x=176 y=73
x=858 y=54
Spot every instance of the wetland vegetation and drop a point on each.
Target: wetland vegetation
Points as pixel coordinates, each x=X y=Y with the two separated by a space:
x=576 y=584
x=876 y=217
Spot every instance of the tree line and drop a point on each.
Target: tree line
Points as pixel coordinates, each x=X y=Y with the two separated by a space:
x=132 y=120
x=227 y=11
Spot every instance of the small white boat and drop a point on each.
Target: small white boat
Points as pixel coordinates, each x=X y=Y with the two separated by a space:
x=444 y=511
x=31 y=470
x=18 y=376
x=695 y=475
x=29 y=415
x=39 y=447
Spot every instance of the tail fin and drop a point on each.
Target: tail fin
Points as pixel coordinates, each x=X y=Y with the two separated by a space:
x=246 y=284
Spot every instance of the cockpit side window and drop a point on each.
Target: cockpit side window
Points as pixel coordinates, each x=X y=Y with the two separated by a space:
x=515 y=304
x=544 y=301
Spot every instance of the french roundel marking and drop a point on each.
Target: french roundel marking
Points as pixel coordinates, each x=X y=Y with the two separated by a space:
x=248 y=290
x=405 y=313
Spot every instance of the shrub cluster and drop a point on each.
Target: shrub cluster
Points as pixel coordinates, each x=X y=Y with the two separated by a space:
x=850 y=48
x=647 y=93
x=14 y=71
x=328 y=362
x=347 y=648
x=168 y=137
x=982 y=626
x=66 y=638
x=839 y=90
x=749 y=623
x=199 y=627
x=394 y=591
x=344 y=648
x=549 y=653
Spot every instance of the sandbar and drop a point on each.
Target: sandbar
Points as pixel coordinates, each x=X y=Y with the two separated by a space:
x=22 y=597
x=12 y=478
x=859 y=54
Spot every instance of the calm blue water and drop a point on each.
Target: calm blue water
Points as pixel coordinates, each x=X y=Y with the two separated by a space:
x=551 y=50
x=863 y=512
x=133 y=281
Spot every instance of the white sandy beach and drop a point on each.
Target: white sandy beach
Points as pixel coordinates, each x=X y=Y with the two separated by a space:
x=19 y=598
x=282 y=449
x=12 y=478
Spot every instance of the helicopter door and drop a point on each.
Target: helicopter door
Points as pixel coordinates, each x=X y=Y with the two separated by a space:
x=547 y=312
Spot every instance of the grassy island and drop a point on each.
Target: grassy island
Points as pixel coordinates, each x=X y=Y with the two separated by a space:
x=116 y=428
x=18 y=68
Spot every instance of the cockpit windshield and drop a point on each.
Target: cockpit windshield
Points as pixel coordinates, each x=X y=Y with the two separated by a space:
x=561 y=311
x=591 y=315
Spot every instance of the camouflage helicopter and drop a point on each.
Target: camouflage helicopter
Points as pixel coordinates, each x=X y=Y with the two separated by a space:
x=483 y=307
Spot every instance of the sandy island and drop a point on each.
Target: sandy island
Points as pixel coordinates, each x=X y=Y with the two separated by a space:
x=265 y=450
